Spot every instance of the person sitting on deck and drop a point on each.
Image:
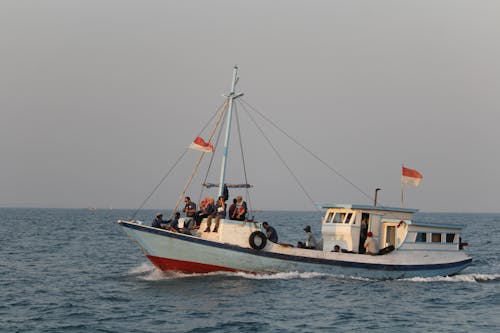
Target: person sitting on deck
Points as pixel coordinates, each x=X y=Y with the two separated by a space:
x=220 y=213
x=271 y=233
x=370 y=245
x=158 y=221
x=241 y=209
x=336 y=248
x=311 y=242
x=232 y=210
x=173 y=224
x=207 y=209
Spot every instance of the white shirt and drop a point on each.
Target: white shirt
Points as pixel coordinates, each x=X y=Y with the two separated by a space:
x=310 y=240
x=370 y=246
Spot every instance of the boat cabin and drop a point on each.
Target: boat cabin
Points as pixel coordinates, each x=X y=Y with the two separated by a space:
x=347 y=225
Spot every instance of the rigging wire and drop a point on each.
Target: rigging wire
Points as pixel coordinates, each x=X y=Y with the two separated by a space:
x=307 y=150
x=281 y=159
x=312 y=154
x=221 y=113
x=243 y=157
x=174 y=165
x=159 y=184
x=213 y=156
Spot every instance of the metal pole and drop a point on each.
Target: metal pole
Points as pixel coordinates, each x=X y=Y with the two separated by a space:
x=402 y=195
x=228 y=131
x=376 y=193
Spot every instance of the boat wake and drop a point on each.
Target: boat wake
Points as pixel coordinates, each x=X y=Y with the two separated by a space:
x=145 y=267
x=471 y=278
x=280 y=276
x=148 y=272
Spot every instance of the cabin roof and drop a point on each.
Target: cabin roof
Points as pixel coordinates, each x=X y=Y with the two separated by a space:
x=367 y=207
x=437 y=225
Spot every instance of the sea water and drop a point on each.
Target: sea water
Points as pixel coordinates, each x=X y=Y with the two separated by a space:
x=70 y=270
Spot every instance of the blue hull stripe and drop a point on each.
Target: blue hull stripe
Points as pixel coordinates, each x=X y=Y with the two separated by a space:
x=295 y=258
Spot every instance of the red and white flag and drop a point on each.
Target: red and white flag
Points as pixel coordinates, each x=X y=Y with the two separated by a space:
x=411 y=177
x=201 y=145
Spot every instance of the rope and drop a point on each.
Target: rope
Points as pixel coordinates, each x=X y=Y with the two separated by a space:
x=308 y=151
x=221 y=113
x=212 y=157
x=157 y=186
x=313 y=154
x=282 y=160
x=172 y=168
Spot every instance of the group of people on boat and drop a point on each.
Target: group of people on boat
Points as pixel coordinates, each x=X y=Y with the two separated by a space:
x=311 y=242
x=214 y=212
x=171 y=224
x=208 y=209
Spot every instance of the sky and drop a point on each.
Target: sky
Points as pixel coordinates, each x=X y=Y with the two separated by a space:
x=99 y=99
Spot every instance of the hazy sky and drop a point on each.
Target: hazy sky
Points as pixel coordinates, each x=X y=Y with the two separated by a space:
x=98 y=99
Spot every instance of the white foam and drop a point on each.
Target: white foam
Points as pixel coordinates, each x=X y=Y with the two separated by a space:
x=142 y=268
x=146 y=271
x=280 y=276
x=471 y=278
x=156 y=275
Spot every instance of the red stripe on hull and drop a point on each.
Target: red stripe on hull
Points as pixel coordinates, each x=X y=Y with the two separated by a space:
x=166 y=264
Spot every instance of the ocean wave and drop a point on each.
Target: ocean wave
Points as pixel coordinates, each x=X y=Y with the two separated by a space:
x=471 y=278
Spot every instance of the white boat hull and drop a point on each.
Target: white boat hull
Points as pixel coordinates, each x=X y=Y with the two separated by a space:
x=175 y=251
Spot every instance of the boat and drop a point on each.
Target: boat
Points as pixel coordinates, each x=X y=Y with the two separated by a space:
x=408 y=247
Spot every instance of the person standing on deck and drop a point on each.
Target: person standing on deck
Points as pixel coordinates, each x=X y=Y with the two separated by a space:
x=370 y=245
x=311 y=242
x=363 y=233
x=190 y=210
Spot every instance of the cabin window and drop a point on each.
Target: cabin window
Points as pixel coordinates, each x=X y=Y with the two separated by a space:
x=339 y=218
x=436 y=238
x=390 y=235
x=329 y=217
x=421 y=237
x=348 y=219
x=450 y=238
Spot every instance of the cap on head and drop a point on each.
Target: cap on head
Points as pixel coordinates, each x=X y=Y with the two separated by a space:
x=159 y=215
x=369 y=234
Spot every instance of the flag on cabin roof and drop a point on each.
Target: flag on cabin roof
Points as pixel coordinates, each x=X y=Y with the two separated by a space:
x=201 y=145
x=411 y=177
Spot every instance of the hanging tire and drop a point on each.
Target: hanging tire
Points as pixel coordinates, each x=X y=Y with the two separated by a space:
x=257 y=240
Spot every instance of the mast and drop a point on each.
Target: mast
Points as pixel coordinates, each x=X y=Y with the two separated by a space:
x=232 y=96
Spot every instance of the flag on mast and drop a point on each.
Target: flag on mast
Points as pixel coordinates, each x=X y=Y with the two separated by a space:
x=411 y=177
x=201 y=145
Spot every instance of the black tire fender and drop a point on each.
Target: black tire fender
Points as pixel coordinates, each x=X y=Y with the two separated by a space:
x=257 y=240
